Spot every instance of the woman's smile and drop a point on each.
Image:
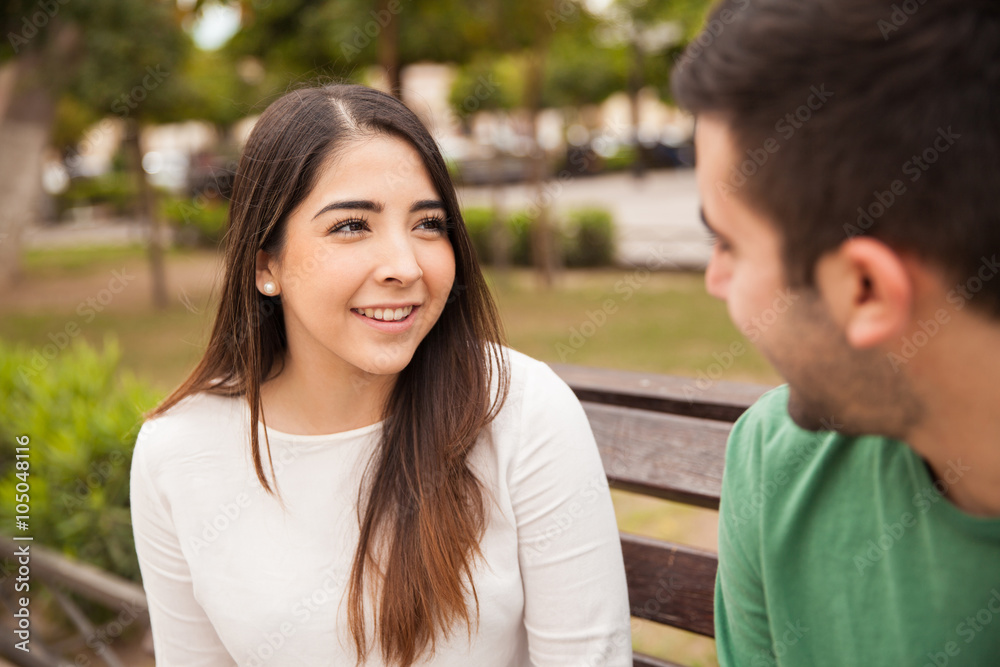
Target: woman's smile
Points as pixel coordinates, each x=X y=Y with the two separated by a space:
x=388 y=319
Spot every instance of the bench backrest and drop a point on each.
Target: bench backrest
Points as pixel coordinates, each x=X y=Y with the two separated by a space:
x=665 y=437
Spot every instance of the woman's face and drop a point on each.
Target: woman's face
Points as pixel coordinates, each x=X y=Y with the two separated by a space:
x=367 y=266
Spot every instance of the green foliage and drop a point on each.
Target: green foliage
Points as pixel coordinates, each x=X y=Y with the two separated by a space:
x=488 y=83
x=204 y=221
x=589 y=238
x=114 y=189
x=580 y=71
x=81 y=420
x=130 y=49
x=623 y=158
x=586 y=240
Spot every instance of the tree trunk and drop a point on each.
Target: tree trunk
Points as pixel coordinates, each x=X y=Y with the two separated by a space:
x=635 y=83
x=542 y=246
x=499 y=236
x=388 y=46
x=146 y=210
x=24 y=134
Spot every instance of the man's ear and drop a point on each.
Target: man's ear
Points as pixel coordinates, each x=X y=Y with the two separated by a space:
x=868 y=289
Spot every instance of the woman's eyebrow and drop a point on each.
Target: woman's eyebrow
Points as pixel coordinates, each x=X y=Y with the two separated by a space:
x=426 y=205
x=376 y=207
x=352 y=205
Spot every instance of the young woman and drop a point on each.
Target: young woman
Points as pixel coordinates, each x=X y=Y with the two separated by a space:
x=358 y=472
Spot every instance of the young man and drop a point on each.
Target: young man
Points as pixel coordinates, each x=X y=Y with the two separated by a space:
x=849 y=164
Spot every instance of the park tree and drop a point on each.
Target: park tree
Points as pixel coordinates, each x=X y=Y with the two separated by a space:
x=541 y=55
x=103 y=58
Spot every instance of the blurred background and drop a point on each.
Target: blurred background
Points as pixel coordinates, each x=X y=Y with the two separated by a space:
x=121 y=122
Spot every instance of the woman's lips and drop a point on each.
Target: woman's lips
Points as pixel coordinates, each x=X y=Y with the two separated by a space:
x=384 y=325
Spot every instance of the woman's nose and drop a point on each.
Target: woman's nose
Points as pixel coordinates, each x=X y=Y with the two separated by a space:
x=398 y=262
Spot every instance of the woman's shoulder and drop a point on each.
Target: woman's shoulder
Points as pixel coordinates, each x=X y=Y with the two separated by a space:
x=536 y=389
x=192 y=421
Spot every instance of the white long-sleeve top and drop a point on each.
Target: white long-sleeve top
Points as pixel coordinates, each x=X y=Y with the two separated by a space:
x=233 y=578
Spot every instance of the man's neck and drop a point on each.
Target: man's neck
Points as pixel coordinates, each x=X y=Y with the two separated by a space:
x=959 y=434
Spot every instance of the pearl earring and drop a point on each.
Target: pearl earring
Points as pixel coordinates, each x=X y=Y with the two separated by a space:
x=269 y=287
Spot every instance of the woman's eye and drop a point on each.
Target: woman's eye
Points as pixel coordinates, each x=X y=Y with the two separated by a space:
x=353 y=226
x=433 y=224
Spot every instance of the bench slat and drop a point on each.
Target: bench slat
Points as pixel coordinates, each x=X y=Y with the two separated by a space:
x=642 y=660
x=666 y=456
x=670 y=583
x=719 y=400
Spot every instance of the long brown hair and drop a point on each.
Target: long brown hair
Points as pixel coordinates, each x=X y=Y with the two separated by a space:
x=421 y=510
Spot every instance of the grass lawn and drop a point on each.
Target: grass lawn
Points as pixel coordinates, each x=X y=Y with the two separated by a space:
x=614 y=318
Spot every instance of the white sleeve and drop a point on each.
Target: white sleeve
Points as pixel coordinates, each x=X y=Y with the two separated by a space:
x=576 y=609
x=183 y=636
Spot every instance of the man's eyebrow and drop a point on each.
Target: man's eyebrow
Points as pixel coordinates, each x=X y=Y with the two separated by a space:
x=704 y=221
x=376 y=207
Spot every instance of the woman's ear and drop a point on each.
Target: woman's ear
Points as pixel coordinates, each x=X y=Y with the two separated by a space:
x=267 y=282
x=868 y=289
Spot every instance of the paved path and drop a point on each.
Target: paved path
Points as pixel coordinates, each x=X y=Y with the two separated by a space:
x=656 y=216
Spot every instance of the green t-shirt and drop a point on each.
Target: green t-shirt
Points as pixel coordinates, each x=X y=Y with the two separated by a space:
x=843 y=551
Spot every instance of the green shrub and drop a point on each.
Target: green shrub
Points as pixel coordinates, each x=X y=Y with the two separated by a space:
x=203 y=222
x=81 y=419
x=115 y=189
x=589 y=238
x=479 y=223
x=519 y=225
x=586 y=240
x=623 y=158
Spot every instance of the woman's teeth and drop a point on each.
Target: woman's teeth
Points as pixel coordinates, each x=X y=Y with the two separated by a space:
x=386 y=314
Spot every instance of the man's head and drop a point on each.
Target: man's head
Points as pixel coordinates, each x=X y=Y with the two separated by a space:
x=848 y=150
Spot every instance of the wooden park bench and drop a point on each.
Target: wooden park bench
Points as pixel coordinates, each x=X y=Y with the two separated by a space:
x=665 y=437
x=659 y=436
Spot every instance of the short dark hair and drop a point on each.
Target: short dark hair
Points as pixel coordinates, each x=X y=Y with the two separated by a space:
x=861 y=117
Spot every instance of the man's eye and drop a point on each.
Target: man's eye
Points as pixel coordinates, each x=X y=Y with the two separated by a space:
x=720 y=243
